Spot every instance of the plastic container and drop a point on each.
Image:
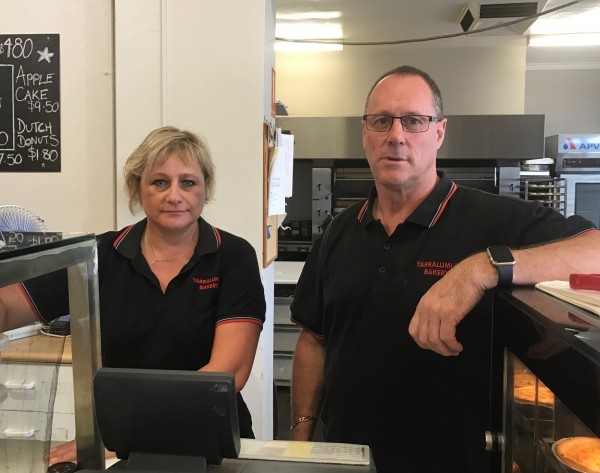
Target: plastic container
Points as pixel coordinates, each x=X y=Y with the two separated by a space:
x=590 y=282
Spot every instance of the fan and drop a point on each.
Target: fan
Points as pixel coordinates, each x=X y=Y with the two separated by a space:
x=19 y=219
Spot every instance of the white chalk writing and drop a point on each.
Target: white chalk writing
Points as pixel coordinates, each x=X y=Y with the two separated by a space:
x=30 y=104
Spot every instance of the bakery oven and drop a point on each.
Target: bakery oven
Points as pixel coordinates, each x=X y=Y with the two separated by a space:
x=292 y=250
x=577 y=163
x=308 y=210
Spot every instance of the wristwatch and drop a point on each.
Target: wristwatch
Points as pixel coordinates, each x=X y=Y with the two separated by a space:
x=502 y=258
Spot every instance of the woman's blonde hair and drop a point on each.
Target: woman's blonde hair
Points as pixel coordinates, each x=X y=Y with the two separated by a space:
x=156 y=147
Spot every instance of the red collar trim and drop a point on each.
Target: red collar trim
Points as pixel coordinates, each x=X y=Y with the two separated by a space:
x=217 y=236
x=363 y=210
x=443 y=205
x=122 y=235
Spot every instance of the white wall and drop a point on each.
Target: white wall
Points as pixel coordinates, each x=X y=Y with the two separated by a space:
x=564 y=85
x=195 y=65
x=264 y=354
x=568 y=97
x=473 y=80
x=81 y=197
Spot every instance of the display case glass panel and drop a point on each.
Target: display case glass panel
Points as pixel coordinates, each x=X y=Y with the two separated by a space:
x=28 y=413
x=551 y=386
x=537 y=421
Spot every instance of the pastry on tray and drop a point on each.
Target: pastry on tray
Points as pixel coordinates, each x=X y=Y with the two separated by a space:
x=581 y=454
x=527 y=394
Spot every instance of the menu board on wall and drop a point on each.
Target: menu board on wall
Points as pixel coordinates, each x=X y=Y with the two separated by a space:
x=15 y=240
x=30 y=103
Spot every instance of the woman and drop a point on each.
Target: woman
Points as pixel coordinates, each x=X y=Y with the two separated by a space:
x=175 y=292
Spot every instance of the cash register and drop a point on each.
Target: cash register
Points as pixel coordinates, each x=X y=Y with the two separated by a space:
x=160 y=421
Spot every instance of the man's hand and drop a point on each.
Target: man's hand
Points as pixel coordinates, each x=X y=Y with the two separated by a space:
x=307 y=384
x=448 y=301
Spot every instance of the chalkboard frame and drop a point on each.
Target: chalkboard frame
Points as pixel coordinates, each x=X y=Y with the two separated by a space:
x=30 y=134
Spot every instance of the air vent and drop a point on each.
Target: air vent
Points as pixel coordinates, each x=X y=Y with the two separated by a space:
x=507 y=10
x=475 y=16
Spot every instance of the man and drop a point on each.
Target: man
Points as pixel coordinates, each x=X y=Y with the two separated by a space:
x=394 y=299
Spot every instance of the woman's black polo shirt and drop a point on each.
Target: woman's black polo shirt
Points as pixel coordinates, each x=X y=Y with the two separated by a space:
x=142 y=327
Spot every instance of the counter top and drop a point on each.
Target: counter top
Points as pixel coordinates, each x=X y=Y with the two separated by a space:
x=288 y=272
x=572 y=325
x=39 y=349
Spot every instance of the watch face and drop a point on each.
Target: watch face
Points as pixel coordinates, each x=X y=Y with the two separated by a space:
x=501 y=254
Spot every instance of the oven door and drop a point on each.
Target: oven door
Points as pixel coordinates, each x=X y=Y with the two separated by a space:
x=583 y=196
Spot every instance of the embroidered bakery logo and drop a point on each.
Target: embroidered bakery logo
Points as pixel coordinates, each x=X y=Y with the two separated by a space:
x=209 y=283
x=434 y=268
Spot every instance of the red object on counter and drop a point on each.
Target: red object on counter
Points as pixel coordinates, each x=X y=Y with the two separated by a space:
x=585 y=281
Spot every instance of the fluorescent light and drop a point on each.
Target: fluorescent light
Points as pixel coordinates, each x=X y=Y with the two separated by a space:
x=287 y=46
x=309 y=30
x=311 y=15
x=586 y=21
x=313 y=25
x=576 y=39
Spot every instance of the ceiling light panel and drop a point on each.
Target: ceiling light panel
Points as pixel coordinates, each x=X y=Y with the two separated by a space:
x=290 y=47
x=584 y=22
x=565 y=40
x=308 y=30
x=311 y=15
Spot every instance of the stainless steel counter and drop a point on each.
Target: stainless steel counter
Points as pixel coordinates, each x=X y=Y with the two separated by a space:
x=288 y=272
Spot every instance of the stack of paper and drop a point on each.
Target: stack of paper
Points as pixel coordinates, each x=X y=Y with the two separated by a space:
x=312 y=452
x=589 y=300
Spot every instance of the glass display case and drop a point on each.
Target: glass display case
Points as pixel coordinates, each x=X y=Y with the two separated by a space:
x=551 y=383
x=27 y=255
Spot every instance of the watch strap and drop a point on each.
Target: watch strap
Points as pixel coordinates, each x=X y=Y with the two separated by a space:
x=505 y=274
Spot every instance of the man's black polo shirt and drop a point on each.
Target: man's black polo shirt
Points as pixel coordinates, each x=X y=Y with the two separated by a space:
x=419 y=411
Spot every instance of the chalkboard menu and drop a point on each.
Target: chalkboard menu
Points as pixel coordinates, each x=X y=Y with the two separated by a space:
x=30 y=103
x=10 y=241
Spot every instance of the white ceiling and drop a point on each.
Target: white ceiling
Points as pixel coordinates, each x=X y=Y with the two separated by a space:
x=374 y=21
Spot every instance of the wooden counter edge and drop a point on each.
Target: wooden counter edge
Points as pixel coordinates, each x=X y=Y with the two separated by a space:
x=38 y=349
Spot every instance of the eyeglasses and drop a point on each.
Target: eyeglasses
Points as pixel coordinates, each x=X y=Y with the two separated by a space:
x=410 y=123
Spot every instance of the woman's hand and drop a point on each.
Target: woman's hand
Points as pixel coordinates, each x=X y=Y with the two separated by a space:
x=67 y=452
